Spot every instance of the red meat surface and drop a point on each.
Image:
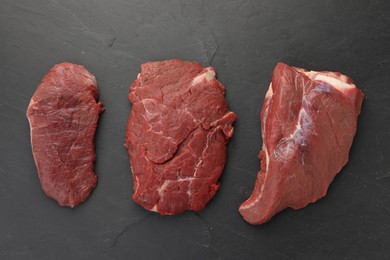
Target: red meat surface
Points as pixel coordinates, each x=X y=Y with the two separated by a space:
x=308 y=122
x=177 y=133
x=63 y=115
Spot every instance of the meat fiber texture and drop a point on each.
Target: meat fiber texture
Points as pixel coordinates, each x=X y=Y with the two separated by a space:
x=63 y=115
x=177 y=133
x=308 y=122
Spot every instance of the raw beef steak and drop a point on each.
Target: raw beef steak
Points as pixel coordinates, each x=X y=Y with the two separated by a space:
x=308 y=123
x=63 y=115
x=177 y=133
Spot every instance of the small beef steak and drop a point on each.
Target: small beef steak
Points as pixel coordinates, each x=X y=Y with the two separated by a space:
x=63 y=115
x=308 y=123
x=177 y=133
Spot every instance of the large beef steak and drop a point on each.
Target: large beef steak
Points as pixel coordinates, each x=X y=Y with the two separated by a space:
x=63 y=115
x=308 y=123
x=177 y=133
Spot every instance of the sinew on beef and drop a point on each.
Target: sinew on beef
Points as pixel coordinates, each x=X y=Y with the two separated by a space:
x=308 y=122
x=177 y=133
x=63 y=115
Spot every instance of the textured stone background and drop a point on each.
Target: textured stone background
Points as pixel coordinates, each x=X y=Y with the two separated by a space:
x=243 y=40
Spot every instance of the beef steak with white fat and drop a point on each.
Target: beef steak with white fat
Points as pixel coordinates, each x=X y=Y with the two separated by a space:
x=63 y=115
x=308 y=122
x=177 y=133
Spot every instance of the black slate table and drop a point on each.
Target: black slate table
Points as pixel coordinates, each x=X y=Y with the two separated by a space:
x=243 y=40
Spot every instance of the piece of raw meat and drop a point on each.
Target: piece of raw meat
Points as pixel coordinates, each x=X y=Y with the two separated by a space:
x=177 y=133
x=63 y=115
x=308 y=123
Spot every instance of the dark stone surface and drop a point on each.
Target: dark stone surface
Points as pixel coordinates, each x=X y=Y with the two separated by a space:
x=243 y=40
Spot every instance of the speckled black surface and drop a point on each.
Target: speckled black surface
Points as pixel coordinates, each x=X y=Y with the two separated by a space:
x=243 y=40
